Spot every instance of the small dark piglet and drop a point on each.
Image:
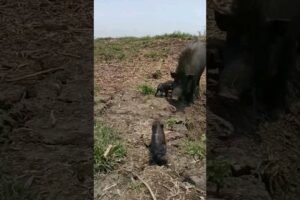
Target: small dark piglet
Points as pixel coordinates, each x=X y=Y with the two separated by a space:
x=158 y=147
x=164 y=88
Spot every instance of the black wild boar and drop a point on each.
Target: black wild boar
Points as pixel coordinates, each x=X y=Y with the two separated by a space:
x=158 y=147
x=191 y=65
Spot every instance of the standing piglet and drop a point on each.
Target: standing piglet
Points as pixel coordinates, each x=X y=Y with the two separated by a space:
x=158 y=147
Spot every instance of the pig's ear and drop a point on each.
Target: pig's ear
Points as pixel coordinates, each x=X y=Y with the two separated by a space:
x=173 y=75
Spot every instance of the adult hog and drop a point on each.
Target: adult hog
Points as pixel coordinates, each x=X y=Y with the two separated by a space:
x=191 y=65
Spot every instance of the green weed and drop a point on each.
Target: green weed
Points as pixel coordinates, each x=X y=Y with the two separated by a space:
x=177 y=34
x=171 y=122
x=126 y=48
x=196 y=149
x=217 y=171
x=146 y=89
x=154 y=55
x=105 y=136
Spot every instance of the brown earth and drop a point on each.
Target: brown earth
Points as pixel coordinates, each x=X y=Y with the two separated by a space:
x=46 y=100
x=121 y=105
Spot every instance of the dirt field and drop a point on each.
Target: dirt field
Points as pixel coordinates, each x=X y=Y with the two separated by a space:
x=46 y=100
x=120 y=104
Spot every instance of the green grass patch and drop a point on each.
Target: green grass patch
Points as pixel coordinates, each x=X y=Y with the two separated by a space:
x=177 y=34
x=154 y=55
x=127 y=48
x=146 y=89
x=120 y=48
x=197 y=148
x=104 y=137
x=112 y=49
x=171 y=122
x=217 y=171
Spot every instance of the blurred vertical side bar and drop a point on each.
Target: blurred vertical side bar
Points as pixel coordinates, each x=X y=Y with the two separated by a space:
x=46 y=99
x=253 y=99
